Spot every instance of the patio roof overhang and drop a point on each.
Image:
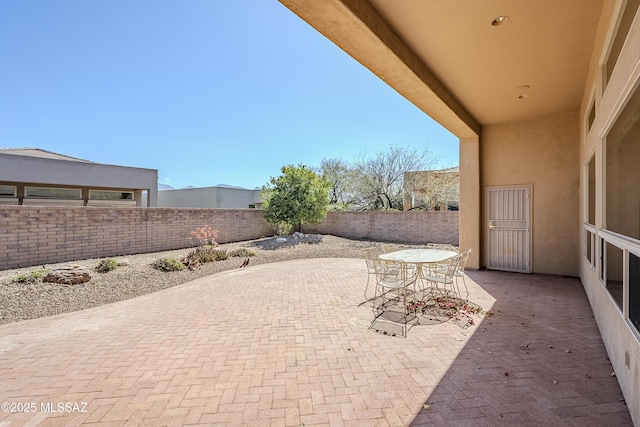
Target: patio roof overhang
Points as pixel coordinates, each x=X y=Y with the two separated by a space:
x=448 y=59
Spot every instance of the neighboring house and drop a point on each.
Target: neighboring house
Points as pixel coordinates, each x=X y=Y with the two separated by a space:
x=219 y=196
x=432 y=190
x=544 y=98
x=35 y=177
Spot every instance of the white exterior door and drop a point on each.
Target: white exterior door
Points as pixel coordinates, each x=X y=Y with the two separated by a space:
x=509 y=228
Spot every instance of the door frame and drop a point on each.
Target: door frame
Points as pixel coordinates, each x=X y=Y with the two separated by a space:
x=529 y=189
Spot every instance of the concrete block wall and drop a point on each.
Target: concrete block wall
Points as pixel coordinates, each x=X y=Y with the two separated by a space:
x=42 y=235
x=45 y=235
x=407 y=227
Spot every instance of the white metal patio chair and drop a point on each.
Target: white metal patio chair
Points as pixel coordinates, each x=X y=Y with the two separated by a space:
x=393 y=278
x=442 y=277
x=459 y=274
x=370 y=257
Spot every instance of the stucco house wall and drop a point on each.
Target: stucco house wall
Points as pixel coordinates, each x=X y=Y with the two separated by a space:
x=541 y=152
x=602 y=103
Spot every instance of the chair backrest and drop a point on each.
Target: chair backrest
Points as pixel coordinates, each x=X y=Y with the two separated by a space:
x=452 y=265
x=464 y=256
x=394 y=270
x=387 y=248
x=370 y=256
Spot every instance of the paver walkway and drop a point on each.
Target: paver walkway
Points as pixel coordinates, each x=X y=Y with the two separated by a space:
x=287 y=344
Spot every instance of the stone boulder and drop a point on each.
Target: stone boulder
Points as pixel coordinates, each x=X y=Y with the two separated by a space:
x=68 y=275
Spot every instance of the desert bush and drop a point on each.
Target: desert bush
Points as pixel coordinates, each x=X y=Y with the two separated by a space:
x=220 y=255
x=242 y=252
x=207 y=253
x=203 y=254
x=191 y=260
x=168 y=264
x=106 y=265
x=31 y=277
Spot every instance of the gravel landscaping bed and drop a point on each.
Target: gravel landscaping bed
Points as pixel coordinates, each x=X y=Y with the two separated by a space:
x=29 y=300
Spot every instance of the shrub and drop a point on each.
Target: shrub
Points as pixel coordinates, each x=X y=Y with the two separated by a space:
x=220 y=255
x=106 y=265
x=203 y=254
x=23 y=278
x=168 y=264
x=206 y=253
x=191 y=260
x=30 y=277
x=242 y=252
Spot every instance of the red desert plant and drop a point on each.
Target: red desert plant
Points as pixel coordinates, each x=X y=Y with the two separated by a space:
x=204 y=235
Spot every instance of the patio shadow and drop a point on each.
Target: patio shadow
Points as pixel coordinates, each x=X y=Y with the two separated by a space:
x=537 y=358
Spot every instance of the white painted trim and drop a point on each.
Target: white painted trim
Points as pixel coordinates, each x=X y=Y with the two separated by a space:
x=611 y=34
x=621 y=100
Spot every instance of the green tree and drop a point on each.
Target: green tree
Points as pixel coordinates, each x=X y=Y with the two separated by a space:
x=297 y=196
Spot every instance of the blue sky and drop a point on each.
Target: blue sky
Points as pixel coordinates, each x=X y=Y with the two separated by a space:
x=204 y=91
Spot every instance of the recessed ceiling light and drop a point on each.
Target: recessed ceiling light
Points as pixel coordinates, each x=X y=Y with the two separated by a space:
x=500 y=20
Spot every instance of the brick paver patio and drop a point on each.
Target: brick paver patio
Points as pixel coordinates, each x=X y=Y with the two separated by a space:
x=288 y=344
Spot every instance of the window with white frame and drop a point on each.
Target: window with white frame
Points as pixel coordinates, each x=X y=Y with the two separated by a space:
x=622 y=154
x=110 y=195
x=620 y=265
x=591 y=117
x=624 y=23
x=634 y=291
x=53 y=193
x=590 y=235
x=591 y=195
x=614 y=273
x=7 y=191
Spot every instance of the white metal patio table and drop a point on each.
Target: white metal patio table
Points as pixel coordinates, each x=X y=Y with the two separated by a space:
x=419 y=257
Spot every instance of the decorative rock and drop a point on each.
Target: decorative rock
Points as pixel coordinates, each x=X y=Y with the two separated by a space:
x=68 y=275
x=281 y=239
x=298 y=235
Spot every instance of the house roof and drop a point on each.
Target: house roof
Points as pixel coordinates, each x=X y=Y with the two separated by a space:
x=447 y=58
x=454 y=169
x=40 y=153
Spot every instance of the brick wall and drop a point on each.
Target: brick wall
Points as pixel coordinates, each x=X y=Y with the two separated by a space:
x=405 y=227
x=45 y=235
